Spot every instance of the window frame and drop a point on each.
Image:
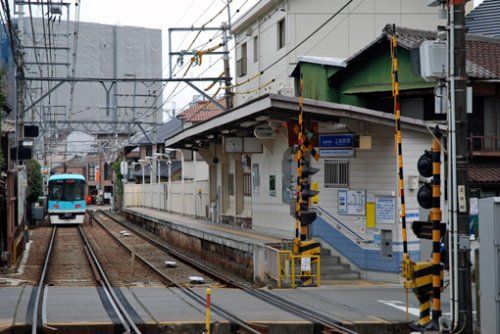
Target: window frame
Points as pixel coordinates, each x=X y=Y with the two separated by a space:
x=242 y=62
x=247 y=184
x=256 y=49
x=92 y=173
x=340 y=174
x=281 y=33
x=230 y=184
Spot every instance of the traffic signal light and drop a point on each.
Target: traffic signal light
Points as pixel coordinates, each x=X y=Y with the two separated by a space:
x=424 y=194
x=424 y=164
x=305 y=214
x=423 y=229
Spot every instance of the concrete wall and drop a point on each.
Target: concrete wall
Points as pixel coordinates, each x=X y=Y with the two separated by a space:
x=346 y=34
x=188 y=198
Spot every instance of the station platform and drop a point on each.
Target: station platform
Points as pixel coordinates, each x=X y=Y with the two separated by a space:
x=367 y=308
x=240 y=237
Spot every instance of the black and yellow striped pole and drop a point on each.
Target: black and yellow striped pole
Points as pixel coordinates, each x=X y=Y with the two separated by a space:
x=407 y=266
x=299 y=158
x=303 y=245
x=435 y=216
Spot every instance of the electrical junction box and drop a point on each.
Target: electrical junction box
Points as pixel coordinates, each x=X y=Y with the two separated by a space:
x=433 y=60
x=489 y=264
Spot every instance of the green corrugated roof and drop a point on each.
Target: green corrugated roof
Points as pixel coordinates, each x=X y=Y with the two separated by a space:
x=388 y=87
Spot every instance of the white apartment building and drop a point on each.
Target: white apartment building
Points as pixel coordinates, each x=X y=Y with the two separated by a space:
x=269 y=36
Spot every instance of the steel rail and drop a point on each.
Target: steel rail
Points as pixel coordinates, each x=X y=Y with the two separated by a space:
x=125 y=318
x=187 y=291
x=180 y=256
x=298 y=310
x=41 y=285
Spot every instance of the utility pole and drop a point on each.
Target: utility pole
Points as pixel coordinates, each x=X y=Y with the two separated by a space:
x=458 y=123
x=228 y=96
x=20 y=82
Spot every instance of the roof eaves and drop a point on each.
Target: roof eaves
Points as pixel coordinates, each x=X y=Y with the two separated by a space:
x=247 y=18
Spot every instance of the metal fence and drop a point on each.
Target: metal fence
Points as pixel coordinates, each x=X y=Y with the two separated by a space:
x=187 y=198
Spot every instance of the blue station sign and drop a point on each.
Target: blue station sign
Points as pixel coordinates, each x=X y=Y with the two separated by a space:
x=336 y=141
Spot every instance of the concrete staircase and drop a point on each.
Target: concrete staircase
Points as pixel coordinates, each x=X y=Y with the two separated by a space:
x=333 y=269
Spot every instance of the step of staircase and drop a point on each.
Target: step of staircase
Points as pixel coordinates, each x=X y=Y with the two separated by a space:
x=332 y=267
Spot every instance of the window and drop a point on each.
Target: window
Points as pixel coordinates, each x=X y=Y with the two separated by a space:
x=281 y=34
x=272 y=185
x=107 y=172
x=247 y=184
x=256 y=49
x=256 y=179
x=241 y=64
x=149 y=151
x=336 y=173
x=67 y=190
x=91 y=173
x=230 y=184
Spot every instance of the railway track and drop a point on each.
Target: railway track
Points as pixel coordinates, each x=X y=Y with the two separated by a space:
x=186 y=290
x=51 y=273
x=328 y=324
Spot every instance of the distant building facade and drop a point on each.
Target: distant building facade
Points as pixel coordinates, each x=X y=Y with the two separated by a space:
x=102 y=51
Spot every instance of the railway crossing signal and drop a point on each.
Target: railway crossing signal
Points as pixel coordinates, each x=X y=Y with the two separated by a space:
x=424 y=194
x=427 y=275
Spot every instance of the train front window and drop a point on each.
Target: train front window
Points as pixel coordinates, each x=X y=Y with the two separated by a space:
x=67 y=190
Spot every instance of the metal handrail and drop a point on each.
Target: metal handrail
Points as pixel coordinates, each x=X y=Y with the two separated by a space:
x=356 y=235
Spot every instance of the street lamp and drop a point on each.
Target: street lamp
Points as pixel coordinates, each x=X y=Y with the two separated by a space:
x=169 y=163
x=144 y=163
x=169 y=150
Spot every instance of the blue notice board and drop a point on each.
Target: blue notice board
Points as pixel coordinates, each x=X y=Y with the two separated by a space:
x=336 y=141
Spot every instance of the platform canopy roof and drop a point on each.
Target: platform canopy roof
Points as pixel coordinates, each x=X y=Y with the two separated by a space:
x=242 y=120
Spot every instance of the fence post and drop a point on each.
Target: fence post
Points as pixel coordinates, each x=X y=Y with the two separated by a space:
x=207 y=311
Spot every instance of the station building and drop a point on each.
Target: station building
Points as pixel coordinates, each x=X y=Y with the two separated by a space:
x=251 y=171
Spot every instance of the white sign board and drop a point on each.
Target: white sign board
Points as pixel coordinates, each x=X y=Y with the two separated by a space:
x=352 y=202
x=385 y=210
x=331 y=153
x=123 y=168
x=412 y=215
x=305 y=264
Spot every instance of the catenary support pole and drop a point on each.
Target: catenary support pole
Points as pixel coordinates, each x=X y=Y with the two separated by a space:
x=461 y=196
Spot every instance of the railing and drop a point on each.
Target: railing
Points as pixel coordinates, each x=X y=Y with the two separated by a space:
x=286 y=268
x=484 y=145
x=186 y=198
x=340 y=226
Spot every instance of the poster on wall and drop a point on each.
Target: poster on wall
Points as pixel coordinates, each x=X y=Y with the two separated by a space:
x=385 y=210
x=255 y=180
x=370 y=215
x=352 y=202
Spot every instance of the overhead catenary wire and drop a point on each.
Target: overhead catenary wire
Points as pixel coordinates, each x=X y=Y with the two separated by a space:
x=191 y=60
x=321 y=26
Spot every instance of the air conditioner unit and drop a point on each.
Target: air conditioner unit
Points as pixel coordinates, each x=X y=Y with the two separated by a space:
x=433 y=60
